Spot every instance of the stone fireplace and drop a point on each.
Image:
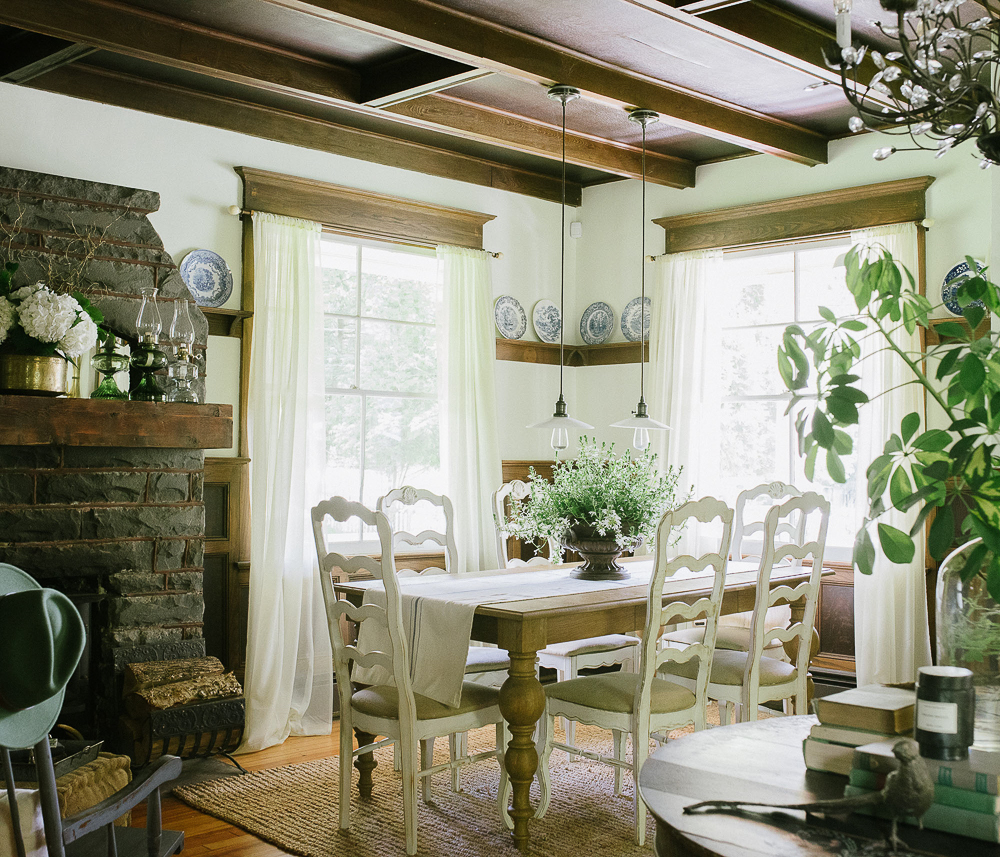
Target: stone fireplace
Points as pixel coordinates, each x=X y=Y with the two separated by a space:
x=104 y=500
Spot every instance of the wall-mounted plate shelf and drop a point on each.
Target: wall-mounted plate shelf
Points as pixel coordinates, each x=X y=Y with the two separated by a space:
x=526 y=351
x=225 y=322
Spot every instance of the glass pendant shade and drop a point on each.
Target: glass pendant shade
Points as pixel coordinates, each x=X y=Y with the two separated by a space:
x=640 y=422
x=561 y=422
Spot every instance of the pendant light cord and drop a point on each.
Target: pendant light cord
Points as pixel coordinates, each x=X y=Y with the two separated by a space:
x=562 y=254
x=642 y=279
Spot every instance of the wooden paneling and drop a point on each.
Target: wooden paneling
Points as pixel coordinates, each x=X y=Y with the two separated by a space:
x=227 y=555
x=36 y=421
x=363 y=213
x=835 y=622
x=798 y=217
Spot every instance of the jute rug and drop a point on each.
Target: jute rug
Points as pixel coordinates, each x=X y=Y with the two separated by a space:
x=295 y=808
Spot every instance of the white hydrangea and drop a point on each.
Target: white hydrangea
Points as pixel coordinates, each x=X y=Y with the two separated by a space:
x=46 y=316
x=24 y=291
x=7 y=319
x=80 y=338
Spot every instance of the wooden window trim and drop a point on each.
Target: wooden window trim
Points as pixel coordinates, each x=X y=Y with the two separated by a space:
x=360 y=213
x=798 y=217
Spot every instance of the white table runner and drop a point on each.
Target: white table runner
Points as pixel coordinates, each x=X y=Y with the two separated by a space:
x=438 y=612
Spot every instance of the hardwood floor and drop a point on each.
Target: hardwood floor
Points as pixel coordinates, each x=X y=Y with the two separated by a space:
x=205 y=835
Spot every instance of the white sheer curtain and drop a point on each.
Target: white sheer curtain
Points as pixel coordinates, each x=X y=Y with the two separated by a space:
x=470 y=448
x=685 y=389
x=289 y=688
x=891 y=637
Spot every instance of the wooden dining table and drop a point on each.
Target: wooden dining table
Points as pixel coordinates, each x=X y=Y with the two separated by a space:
x=525 y=626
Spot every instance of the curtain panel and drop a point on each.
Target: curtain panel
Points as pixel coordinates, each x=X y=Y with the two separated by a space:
x=289 y=672
x=470 y=447
x=891 y=635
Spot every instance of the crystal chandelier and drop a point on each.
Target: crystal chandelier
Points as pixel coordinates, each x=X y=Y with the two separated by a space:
x=640 y=421
x=560 y=421
x=939 y=87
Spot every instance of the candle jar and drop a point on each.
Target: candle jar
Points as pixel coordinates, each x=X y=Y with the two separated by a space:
x=946 y=710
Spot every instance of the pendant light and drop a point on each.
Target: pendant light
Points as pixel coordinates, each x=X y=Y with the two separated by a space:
x=640 y=420
x=560 y=422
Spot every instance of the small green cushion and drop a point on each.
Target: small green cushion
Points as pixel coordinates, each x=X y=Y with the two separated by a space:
x=383 y=701
x=616 y=692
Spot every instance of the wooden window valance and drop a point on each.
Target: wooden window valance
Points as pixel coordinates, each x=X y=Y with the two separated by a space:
x=826 y=213
x=360 y=213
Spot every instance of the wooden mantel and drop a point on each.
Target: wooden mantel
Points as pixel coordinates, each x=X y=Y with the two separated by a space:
x=38 y=421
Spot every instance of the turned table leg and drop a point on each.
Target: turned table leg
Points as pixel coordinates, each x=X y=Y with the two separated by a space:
x=522 y=702
x=365 y=763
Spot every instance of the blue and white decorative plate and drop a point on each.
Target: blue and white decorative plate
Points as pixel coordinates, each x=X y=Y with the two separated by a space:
x=510 y=318
x=635 y=321
x=207 y=277
x=547 y=321
x=952 y=280
x=597 y=323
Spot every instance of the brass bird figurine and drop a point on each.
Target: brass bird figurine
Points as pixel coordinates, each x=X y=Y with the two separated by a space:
x=908 y=791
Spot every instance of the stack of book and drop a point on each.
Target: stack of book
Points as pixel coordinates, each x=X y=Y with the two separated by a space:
x=965 y=792
x=855 y=717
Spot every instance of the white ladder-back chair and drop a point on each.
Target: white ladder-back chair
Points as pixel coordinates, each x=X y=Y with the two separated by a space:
x=643 y=703
x=751 y=678
x=567 y=659
x=399 y=501
x=406 y=719
x=751 y=508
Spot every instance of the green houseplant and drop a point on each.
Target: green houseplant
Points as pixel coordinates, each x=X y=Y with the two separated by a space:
x=944 y=469
x=599 y=504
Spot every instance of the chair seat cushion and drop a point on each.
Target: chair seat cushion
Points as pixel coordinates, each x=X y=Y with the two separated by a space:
x=383 y=701
x=485 y=659
x=616 y=692
x=728 y=668
x=606 y=643
x=730 y=637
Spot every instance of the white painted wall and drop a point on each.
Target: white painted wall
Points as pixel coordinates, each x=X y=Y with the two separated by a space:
x=191 y=167
x=960 y=201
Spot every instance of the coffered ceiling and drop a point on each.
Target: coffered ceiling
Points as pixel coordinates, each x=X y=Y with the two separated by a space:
x=458 y=88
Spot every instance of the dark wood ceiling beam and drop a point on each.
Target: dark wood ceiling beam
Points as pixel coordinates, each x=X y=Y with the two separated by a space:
x=83 y=81
x=147 y=35
x=782 y=35
x=412 y=76
x=428 y=27
x=26 y=55
x=525 y=135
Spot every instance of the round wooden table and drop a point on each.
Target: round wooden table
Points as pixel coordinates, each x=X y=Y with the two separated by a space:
x=762 y=761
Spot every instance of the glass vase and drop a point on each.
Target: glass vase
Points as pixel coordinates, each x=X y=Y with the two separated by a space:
x=968 y=635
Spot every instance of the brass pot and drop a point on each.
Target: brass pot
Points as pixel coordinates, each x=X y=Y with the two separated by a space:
x=26 y=374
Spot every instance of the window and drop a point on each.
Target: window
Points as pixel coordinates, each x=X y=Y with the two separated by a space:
x=380 y=370
x=764 y=290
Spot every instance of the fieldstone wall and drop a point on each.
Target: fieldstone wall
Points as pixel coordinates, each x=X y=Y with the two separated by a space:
x=125 y=524
x=95 y=238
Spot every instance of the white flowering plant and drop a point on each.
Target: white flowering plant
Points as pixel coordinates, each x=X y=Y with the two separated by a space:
x=37 y=321
x=614 y=496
